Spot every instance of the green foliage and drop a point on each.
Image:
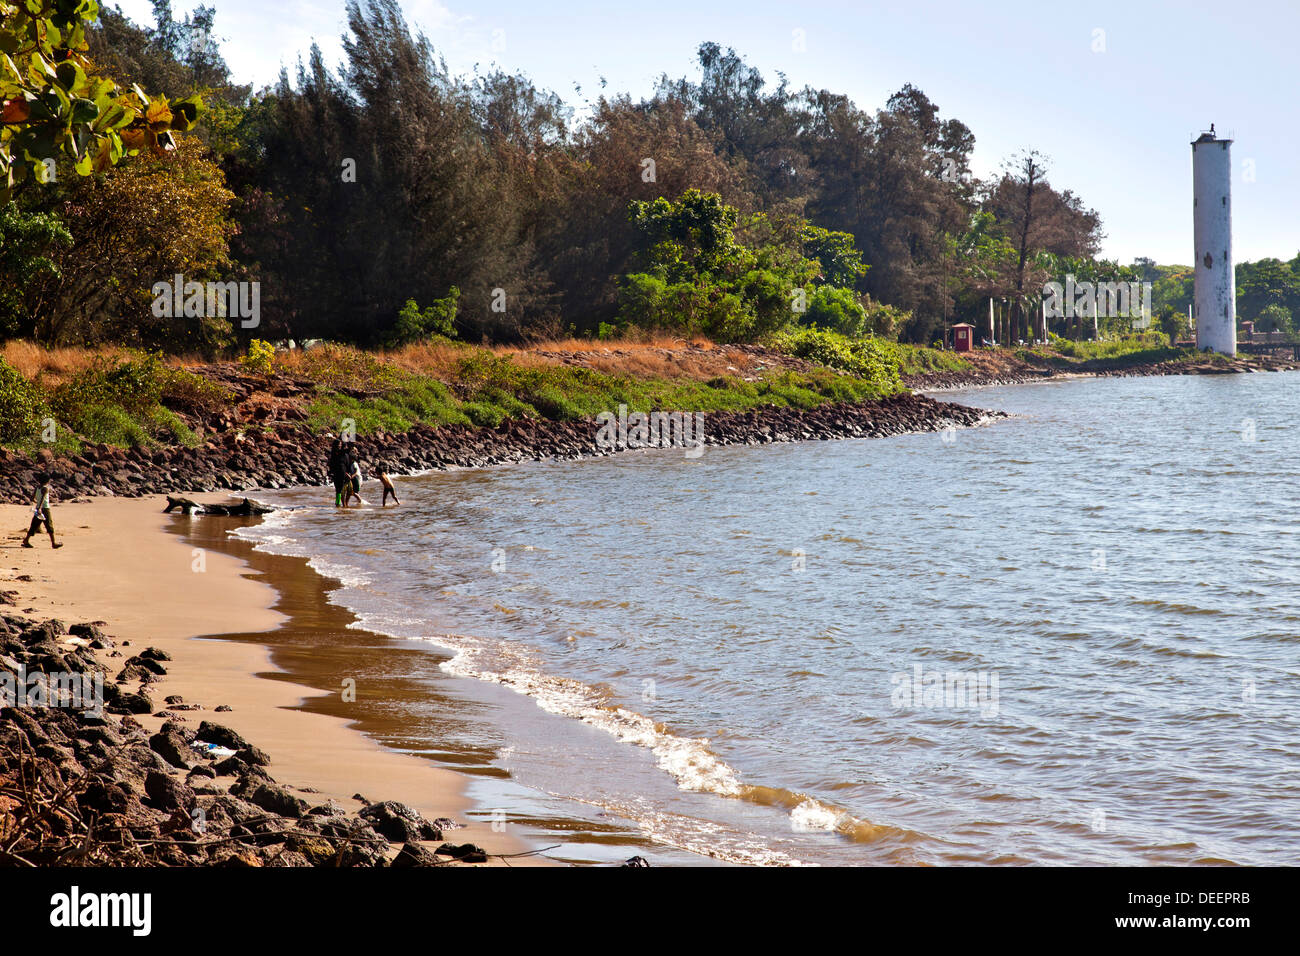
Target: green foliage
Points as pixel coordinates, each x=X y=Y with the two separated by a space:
x=27 y=241
x=835 y=309
x=54 y=104
x=488 y=389
x=1275 y=318
x=918 y=359
x=1143 y=342
x=1264 y=283
x=869 y=358
x=700 y=279
x=260 y=357
x=437 y=319
x=840 y=260
x=693 y=235
x=134 y=385
x=118 y=401
x=21 y=407
x=190 y=392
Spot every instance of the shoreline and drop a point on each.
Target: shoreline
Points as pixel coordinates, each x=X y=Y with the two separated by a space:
x=1014 y=371
x=230 y=660
x=244 y=459
x=158 y=596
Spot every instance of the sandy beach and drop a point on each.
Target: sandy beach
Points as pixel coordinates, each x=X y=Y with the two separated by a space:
x=120 y=566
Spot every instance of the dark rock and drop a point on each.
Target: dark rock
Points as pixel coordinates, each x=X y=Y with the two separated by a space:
x=221 y=736
x=272 y=797
x=465 y=852
x=131 y=704
x=168 y=793
x=399 y=823
x=254 y=757
x=172 y=747
x=415 y=855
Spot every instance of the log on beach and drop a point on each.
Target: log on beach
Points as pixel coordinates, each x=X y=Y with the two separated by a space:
x=190 y=507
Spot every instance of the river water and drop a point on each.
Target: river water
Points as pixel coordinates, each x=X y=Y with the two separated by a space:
x=1067 y=637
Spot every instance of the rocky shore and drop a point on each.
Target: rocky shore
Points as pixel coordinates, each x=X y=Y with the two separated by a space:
x=82 y=782
x=242 y=456
x=1002 y=368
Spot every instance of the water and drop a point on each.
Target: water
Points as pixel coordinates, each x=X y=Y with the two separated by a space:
x=710 y=653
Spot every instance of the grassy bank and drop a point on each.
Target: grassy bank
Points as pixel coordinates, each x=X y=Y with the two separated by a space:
x=62 y=399
x=480 y=387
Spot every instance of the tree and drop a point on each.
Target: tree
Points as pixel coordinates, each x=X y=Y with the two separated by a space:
x=134 y=226
x=1275 y=318
x=1264 y=283
x=28 y=242
x=1035 y=218
x=54 y=104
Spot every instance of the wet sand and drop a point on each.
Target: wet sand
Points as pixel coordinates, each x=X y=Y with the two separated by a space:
x=158 y=580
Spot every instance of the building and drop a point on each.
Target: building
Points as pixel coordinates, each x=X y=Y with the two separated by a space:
x=963 y=337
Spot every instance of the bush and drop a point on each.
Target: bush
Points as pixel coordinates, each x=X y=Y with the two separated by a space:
x=134 y=384
x=835 y=309
x=869 y=358
x=184 y=389
x=260 y=357
x=21 y=406
x=437 y=319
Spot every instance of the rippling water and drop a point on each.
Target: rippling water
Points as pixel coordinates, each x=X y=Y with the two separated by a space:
x=719 y=653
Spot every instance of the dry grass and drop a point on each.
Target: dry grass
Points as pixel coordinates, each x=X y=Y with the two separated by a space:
x=647 y=356
x=660 y=356
x=55 y=364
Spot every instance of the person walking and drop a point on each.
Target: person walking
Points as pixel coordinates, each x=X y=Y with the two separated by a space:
x=41 y=514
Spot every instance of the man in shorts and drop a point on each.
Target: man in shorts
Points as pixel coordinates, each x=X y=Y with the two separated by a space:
x=41 y=514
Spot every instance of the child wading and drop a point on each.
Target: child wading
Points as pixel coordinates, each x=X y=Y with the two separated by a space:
x=353 y=487
x=388 y=486
x=41 y=514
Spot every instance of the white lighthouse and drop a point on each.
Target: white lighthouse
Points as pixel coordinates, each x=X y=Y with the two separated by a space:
x=1216 y=288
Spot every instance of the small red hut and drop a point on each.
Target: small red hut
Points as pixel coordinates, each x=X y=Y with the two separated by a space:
x=963 y=337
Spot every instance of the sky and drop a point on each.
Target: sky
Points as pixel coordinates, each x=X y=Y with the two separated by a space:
x=1111 y=92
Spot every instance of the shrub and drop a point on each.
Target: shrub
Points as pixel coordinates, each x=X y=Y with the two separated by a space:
x=835 y=309
x=21 y=406
x=414 y=324
x=260 y=357
x=183 y=389
x=869 y=359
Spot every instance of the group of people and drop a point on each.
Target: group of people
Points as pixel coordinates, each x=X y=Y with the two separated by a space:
x=344 y=468
x=345 y=473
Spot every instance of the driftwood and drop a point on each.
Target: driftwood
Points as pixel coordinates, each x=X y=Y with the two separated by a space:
x=189 y=507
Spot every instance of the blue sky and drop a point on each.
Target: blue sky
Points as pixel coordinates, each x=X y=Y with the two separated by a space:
x=1112 y=93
